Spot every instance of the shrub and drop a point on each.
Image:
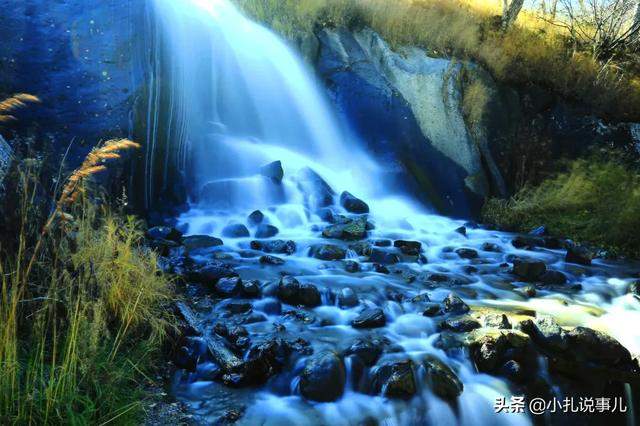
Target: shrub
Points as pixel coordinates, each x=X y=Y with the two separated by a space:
x=596 y=202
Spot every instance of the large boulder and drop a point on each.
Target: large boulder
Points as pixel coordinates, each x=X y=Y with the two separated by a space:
x=293 y=292
x=323 y=377
x=441 y=378
x=395 y=380
x=529 y=270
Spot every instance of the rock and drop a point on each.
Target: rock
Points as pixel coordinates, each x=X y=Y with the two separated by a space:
x=323 y=378
x=497 y=321
x=512 y=370
x=597 y=347
x=255 y=218
x=251 y=289
x=164 y=233
x=328 y=252
x=383 y=257
x=461 y=230
x=529 y=270
x=491 y=247
x=347 y=298
x=195 y=242
x=466 y=253
x=382 y=243
x=553 y=278
x=580 y=255
x=275 y=246
x=238 y=307
x=370 y=318
x=546 y=333
x=354 y=229
x=441 y=378
x=353 y=204
x=395 y=380
x=431 y=310
x=228 y=287
x=235 y=230
x=634 y=288
x=266 y=231
x=265 y=359
x=361 y=248
x=527 y=242
x=317 y=192
x=273 y=171
x=352 y=266
x=460 y=325
x=271 y=260
x=410 y=248
x=453 y=304
x=212 y=272
x=381 y=269
x=368 y=350
x=490 y=351
x=291 y=291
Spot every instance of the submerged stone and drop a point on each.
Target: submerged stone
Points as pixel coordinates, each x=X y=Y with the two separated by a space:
x=266 y=231
x=235 y=230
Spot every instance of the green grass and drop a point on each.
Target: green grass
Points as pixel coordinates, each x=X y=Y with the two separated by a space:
x=531 y=52
x=596 y=202
x=83 y=326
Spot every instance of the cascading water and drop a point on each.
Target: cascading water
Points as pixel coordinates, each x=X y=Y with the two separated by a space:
x=242 y=100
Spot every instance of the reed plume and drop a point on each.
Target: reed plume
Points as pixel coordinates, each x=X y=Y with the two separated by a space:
x=19 y=100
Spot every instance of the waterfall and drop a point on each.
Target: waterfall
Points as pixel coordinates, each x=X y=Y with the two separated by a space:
x=243 y=100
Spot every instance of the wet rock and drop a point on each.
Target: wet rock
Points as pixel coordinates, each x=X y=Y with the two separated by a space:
x=370 y=318
x=275 y=246
x=431 y=310
x=228 y=287
x=328 y=252
x=497 y=321
x=352 y=266
x=265 y=359
x=438 y=278
x=164 y=233
x=266 y=231
x=354 y=229
x=466 y=253
x=460 y=325
x=211 y=272
x=491 y=247
x=546 y=332
x=597 y=347
x=368 y=350
x=361 y=248
x=273 y=171
x=634 y=288
x=381 y=269
x=513 y=371
x=453 y=304
x=410 y=248
x=552 y=277
x=527 y=242
x=237 y=307
x=529 y=270
x=291 y=291
x=235 y=230
x=255 y=218
x=461 y=230
x=323 y=378
x=196 y=242
x=347 y=298
x=271 y=260
x=383 y=257
x=580 y=255
x=317 y=192
x=382 y=243
x=353 y=204
x=251 y=289
x=491 y=351
x=441 y=379
x=395 y=380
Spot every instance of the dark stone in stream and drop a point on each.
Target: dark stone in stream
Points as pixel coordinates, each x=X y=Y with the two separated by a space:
x=467 y=253
x=328 y=252
x=317 y=193
x=347 y=298
x=461 y=230
x=235 y=230
x=597 y=347
x=368 y=350
x=228 y=287
x=266 y=231
x=382 y=243
x=453 y=304
x=410 y=248
x=431 y=310
x=546 y=333
x=381 y=269
x=491 y=351
x=238 y=307
x=352 y=266
x=354 y=229
x=275 y=246
x=529 y=270
x=580 y=255
x=353 y=204
x=164 y=233
x=553 y=278
x=291 y=291
x=273 y=171
x=527 y=242
x=370 y=318
x=497 y=321
x=634 y=288
x=323 y=378
x=251 y=289
x=441 y=378
x=255 y=218
x=491 y=247
x=265 y=360
x=196 y=242
x=361 y=248
x=271 y=260
x=460 y=325
x=395 y=380
x=211 y=272
x=383 y=257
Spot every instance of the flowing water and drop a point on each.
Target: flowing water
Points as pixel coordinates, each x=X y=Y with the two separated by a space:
x=246 y=100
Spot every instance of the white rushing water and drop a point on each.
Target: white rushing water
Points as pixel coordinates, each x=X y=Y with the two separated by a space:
x=244 y=100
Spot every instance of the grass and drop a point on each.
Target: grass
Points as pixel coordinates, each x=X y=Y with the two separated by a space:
x=531 y=52
x=83 y=309
x=596 y=201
